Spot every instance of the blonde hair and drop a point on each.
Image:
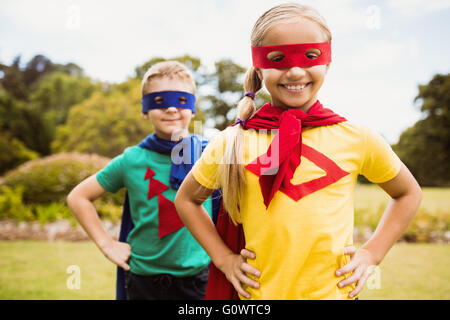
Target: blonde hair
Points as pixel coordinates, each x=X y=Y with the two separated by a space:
x=169 y=69
x=231 y=171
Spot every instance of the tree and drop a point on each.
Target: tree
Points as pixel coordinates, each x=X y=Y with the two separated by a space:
x=22 y=122
x=36 y=97
x=425 y=147
x=13 y=80
x=227 y=86
x=106 y=123
x=20 y=81
x=53 y=97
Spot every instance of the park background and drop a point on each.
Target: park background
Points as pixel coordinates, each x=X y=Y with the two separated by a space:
x=70 y=75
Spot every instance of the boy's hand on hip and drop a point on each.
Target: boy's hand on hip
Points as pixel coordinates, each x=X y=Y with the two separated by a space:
x=235 y=268
x=118 y=252
x=361 y=265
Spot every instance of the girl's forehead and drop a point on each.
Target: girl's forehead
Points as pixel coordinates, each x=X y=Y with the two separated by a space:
x=294 y=32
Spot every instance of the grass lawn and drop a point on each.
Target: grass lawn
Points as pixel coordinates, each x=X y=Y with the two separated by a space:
x=370 y=197
x=38 y=270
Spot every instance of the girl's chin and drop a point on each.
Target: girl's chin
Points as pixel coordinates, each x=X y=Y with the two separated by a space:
x=298 y=103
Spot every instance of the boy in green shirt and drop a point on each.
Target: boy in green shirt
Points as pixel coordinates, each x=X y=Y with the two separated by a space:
x=160 y=257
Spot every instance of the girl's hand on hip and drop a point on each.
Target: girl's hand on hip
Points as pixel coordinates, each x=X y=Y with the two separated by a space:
x=118 y=252
x=235 y=268
x=361 y=265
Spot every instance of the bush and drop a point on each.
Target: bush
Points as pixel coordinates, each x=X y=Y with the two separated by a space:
x=50 y=179
x=52 y=212
x=428 y=227
x=13 y=152
x=109 y=211
x=12 y=207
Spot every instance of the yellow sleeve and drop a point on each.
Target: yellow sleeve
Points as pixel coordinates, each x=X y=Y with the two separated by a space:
x=205 y=169
x=380 y=163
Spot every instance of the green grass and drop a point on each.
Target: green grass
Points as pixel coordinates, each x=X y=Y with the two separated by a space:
x=37 y=270
x=371 y=197
x=414 y=271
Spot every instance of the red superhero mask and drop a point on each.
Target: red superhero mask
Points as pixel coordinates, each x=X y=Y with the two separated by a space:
x=291 y=55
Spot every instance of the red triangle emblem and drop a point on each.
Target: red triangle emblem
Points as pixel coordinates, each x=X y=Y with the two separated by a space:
x=298 y=191
x=169 y=221
x=155 y=187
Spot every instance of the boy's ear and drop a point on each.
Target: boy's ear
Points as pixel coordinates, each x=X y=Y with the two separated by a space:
x=145 y=116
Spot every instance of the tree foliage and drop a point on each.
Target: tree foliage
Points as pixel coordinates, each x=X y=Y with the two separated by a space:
x=36 y=97
x=425 y=147
x=105 y=124
x=13 y=152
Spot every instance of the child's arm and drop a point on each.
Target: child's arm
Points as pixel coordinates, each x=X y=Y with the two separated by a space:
x=80 y=201
x=188 y=202
x=406 y=196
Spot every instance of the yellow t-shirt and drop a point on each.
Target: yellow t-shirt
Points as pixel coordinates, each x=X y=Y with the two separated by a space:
x=299 y=244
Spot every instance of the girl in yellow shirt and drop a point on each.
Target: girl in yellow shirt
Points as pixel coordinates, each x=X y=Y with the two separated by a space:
x=288 y=171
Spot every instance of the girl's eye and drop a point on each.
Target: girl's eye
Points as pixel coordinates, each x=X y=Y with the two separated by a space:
x=275 y=56
x=158 y=100
x=182 y=100
x=313 y=53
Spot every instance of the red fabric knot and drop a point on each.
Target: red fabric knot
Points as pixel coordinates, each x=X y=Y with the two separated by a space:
x=285 y=151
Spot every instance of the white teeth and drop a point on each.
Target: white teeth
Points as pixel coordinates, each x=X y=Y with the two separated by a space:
x=298 y=87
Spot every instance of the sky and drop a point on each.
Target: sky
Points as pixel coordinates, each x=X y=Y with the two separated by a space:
x=382 y=50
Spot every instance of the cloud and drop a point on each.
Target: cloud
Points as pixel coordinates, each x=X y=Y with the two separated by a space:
x=417 y=8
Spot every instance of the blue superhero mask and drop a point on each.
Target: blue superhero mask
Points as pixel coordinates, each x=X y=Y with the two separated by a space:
x=166 y=99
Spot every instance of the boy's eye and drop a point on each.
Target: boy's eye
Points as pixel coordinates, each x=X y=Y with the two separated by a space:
x=313 y=53
x=182 y=100
x=275 y=56
x=159 y=100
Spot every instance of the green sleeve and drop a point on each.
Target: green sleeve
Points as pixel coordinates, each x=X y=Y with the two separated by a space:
x=111 y=176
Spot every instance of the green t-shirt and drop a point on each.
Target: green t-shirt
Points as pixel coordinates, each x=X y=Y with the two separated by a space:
x=177 y=253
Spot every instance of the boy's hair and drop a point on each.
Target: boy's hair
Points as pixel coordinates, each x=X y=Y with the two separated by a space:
x=169 y=69
x=231 y=171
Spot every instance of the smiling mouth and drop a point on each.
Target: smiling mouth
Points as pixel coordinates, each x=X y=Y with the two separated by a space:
x=295 y=88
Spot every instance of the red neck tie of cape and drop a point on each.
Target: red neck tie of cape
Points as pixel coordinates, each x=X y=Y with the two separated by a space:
x=290 y=123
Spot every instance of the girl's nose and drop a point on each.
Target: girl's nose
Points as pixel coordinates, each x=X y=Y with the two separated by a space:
x=296 y=72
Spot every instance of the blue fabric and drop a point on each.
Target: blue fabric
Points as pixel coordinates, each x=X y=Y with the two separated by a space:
x=181 y=165
x=168 y=99
x=126 y=225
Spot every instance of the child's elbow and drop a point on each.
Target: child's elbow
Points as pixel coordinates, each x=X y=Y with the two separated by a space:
x=419 y=195
x=72 y=198
x=69 y=198
x=178 y=201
